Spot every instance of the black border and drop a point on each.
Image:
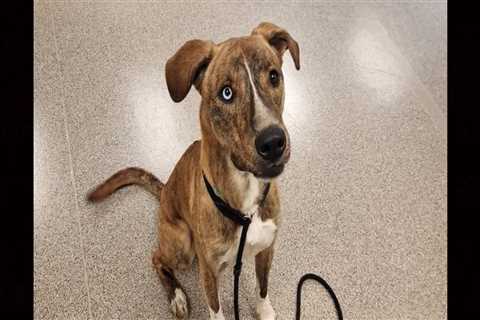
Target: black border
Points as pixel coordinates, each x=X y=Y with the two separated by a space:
x=463 y=159
x=16 y=131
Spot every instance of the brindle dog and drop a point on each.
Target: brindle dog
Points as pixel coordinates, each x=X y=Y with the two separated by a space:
x=244 y=145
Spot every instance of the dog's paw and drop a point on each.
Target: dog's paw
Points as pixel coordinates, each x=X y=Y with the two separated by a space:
x=216 y=316
x=179 y=305
x=264 y=309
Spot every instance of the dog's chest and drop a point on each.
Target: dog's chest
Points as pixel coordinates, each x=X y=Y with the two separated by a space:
x=260 y=236
x=261 y=233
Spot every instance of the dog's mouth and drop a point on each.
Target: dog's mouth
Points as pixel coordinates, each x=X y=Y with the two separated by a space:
x=264 y=170
x=271 y=171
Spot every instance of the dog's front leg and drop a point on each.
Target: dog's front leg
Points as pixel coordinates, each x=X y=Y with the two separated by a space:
x=209 y=280
x=263 y=262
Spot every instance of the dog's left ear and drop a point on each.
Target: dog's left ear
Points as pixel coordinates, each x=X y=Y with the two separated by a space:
x=280 y=40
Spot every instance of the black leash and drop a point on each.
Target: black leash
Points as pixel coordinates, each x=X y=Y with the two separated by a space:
x=244 y=221
x=323 y=283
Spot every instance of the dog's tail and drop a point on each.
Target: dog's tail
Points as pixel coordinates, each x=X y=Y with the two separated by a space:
x=125 y=178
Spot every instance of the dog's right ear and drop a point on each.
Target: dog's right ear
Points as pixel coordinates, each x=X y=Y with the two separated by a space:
x=186 y=67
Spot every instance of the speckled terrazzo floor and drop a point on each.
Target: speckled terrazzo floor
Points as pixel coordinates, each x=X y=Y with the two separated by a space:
x=364 y=195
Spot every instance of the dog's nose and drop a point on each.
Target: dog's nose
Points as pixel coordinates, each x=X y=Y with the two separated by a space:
x=270 y=143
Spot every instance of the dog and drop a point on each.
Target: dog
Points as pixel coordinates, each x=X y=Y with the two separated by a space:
x=244 y=146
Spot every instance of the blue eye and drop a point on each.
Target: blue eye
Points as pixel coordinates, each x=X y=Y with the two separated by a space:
x=226 y=94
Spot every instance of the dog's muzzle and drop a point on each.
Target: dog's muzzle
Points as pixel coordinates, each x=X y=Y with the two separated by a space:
x=271 y=145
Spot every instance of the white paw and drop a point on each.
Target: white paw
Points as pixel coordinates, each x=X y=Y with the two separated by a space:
x=216 y=316
x=264 y=309
x=179 y=305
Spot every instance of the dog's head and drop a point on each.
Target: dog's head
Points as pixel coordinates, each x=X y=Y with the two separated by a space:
x=242 y=88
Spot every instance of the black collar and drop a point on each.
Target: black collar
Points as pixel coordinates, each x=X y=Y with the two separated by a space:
x=229 y=212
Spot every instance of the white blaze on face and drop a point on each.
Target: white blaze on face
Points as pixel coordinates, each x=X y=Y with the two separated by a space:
x=263 y=117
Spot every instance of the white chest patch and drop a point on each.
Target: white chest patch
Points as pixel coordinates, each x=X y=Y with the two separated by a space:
x=260 y=236
x=260 y=233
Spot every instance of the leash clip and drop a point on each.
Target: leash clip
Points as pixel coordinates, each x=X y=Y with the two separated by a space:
x=244 y=220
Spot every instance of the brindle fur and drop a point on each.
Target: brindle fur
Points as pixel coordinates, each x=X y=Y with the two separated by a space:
x=189 y=223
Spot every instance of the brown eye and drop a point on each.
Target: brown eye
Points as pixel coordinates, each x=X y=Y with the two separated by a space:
x=274 y=78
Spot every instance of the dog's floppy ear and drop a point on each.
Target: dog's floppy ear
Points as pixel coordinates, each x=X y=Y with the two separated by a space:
x=279 y=39
x=186 y=66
